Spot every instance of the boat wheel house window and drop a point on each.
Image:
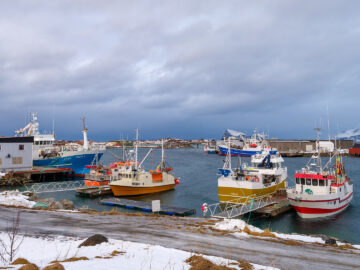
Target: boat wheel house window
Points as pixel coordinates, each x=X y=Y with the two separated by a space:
x=21 y=147
x=303 y=181
x=314 y=182
x=308 y=182
x=297 y=180
x=321 y=183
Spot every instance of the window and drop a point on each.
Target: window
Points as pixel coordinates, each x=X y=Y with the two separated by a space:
x=314 y=182
x=302 y=181
x=17 y=160
x=308 y=182
x=297 y=180
x=321 y=183
x=0 y=161
x=21 y=147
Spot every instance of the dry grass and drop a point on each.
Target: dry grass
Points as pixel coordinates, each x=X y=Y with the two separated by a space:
x=265 y=233
x=244 y=265
x=55 y=266
x=346 y=246
x=200 y=263
x=73 y=259
x=29 y=266
x=20 y=261
x=116 y=252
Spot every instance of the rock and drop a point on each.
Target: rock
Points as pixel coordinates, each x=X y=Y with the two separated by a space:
x=56 y=205
x=68 y=205
x=86 y=209
x=330 y=241
x=39 y=205
x=94 y=240
x=20 y=261
x=55 y=266
x=29 y=266
x=49 y=201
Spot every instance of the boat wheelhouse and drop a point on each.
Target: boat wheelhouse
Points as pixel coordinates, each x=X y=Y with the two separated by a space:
x=321 y=192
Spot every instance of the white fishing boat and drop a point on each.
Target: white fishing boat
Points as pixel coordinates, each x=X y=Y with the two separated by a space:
x=263 y=177
x=321 y=191
x=242 y=146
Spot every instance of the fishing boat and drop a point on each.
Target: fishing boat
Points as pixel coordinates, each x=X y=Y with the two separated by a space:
x=263 y=177
x=210 y=148
x=247 y=147
x=129 y=178
x=73 y=156
x=321 y=191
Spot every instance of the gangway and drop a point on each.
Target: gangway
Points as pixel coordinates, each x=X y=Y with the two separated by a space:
x=54 y=186
x=239 y=206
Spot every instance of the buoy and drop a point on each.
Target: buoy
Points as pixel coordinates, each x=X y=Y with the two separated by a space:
x=177 y=181
x=205 y=208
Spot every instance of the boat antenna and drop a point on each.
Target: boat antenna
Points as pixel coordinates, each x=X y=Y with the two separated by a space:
x=318 y=159
x=327 y=112
x=53 y=121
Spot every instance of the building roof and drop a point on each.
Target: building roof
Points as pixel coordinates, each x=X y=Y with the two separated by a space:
x=28 y=139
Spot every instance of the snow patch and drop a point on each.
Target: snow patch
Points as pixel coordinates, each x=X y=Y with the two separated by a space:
x=132 y=255
x=237 y=226
x=15 y=198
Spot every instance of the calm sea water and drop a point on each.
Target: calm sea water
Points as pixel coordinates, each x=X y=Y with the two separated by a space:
x=198 y=184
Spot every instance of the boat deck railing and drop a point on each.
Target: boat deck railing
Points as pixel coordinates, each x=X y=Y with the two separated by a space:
x=240 y=206
x=98 y=177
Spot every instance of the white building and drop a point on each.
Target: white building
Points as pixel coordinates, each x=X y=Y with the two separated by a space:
x=16 y=153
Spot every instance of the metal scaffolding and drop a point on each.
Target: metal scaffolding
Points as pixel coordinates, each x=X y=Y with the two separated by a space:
x=54 y=186
x=237 y=208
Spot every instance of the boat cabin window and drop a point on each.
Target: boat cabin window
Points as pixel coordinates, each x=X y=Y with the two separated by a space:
x=321 y=183
x=302 y=181
x=308 y=182
x=297 y=180
x=314 y=182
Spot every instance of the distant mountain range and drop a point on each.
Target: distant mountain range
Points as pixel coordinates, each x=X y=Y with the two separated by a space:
x=351 y=134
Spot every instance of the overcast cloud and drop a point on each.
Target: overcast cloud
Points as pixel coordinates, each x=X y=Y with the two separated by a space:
x=186 y=69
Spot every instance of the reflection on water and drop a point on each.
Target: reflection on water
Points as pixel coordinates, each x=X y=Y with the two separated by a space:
x=198 y=184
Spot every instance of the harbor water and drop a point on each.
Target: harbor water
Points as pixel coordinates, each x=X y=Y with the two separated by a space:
x=198 y=184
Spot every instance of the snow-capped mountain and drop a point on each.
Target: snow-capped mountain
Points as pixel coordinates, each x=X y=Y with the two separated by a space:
x=351 y=134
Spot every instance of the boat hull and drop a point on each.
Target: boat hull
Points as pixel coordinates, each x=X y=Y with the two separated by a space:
x=119 y=190
x=76 y=162
x=239 y=152
x=314 y=209
x=227 y=194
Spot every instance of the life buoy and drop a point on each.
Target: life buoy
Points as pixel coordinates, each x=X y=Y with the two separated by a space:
x=205 y=207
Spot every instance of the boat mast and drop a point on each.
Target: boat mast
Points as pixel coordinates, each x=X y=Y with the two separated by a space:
x=162 y=152
x=136 y=148
x=86 y=143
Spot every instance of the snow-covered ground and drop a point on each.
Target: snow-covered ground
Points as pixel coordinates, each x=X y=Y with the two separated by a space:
x=15 y=198
x=41 y=251
x=237 y=226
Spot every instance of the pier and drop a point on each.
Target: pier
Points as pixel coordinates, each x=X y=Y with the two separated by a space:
x=147 y=207
x=94 y=192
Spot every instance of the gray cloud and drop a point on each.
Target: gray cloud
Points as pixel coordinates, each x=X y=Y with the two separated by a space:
x=187 y=69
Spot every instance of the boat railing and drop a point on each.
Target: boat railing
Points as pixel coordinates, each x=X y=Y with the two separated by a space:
x=240 y=206
x=97 y=177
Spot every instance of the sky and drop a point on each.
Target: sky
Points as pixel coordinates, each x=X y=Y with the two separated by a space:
x=184 y=69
